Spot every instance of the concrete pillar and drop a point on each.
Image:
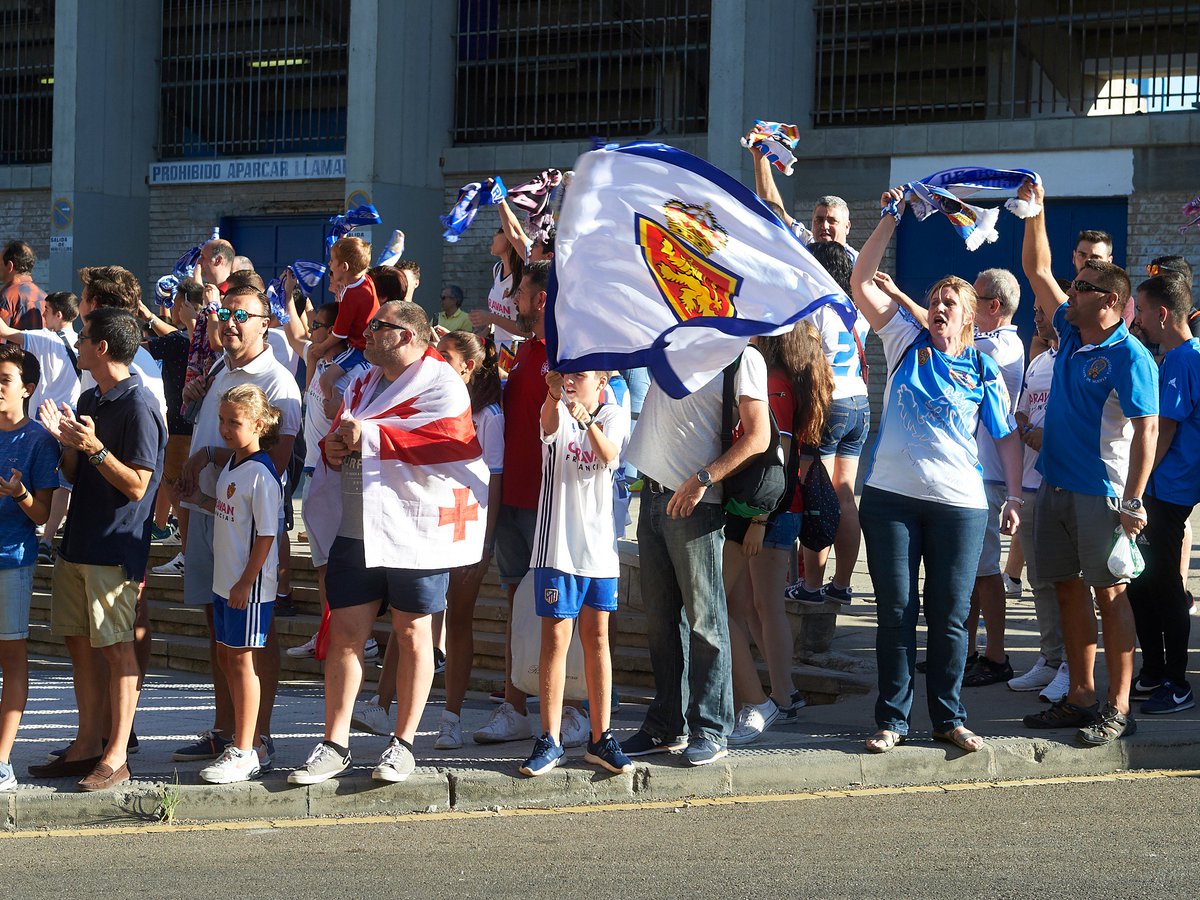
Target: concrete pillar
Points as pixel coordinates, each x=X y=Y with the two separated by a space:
x=106 y=96
x=761 y=66
x=399 y=117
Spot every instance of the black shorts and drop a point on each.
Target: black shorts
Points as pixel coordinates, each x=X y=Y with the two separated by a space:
x=348 y=582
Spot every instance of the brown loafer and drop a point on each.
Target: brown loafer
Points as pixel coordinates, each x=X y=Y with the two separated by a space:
x=62 y=768
x=103 y=777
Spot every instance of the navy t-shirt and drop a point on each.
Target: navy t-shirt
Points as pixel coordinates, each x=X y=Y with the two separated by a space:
x=34 y=453
x=104 y=527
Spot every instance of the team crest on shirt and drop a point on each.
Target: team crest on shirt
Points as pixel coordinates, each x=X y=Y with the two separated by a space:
x=550 y=596
x=963 y=378
x=923 y=356
x=677 y=255
x=231 y=490
x=1097 y=369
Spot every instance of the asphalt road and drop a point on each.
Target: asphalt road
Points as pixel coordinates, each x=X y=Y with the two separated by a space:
x=1091 y=840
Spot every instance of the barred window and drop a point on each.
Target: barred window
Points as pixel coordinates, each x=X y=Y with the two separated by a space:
x=242 y=77
x=573 y=69
x=886 y=63
x=26 y=81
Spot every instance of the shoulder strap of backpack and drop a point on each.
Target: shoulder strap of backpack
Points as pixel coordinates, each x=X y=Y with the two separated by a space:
x=70 y=352
x=728 y=404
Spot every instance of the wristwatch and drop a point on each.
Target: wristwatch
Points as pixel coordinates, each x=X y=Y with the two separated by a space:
x=98 y=457
x=1134 y=505
x=704 y=478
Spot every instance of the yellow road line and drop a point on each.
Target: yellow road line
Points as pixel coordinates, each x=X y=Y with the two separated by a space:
x=848 y=794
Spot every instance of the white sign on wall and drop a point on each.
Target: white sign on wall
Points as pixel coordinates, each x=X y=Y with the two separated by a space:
x=254 y=168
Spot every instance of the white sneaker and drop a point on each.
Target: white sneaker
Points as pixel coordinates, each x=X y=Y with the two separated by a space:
x=752 y=721
x=450 y=735
x=370 y=650
x=174 y=567
x=396 y=763
x=576 y=729
x=1012 y=586
x=1058 y=688
x=370 y=717
x=307 y=650
x=506 y=724
x=231 y=766
x=1035 y=679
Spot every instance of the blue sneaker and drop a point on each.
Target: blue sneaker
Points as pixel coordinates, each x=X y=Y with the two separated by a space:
x=8 y=780
x=1169 y=698
x=1143 y=687
x=607 y=754
x=547 y=753
x=210 y=746
x=266 y=753
x=701 y=751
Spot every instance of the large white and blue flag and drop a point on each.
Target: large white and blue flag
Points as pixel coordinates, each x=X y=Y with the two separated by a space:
x=663 y=260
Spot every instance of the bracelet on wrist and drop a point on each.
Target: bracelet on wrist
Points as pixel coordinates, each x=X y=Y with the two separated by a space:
x=759 y=521
x=1017 y=500
x=22 y=498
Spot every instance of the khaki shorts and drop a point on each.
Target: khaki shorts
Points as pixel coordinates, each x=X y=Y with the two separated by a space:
x=1074 y=536
x=97 y=602
x=176 y=455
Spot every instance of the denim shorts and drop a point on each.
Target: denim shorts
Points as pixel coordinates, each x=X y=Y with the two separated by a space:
x=781 y=534
x=846 y=427
x=16 y=592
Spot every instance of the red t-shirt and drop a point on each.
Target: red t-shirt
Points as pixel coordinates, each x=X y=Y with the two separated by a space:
x=783 y=405
x=523 y=395
x=358 y=304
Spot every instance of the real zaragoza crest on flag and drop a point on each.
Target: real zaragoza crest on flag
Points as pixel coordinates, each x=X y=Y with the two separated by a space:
x=663 y=260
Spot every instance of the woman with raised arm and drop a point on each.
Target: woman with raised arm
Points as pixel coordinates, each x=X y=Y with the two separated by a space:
x=923 y=498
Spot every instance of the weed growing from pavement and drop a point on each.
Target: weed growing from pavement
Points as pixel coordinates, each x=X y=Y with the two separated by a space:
x=168 y=801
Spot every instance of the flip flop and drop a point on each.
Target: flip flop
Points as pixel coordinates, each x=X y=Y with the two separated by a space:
x=961 y=738
x=883 y=740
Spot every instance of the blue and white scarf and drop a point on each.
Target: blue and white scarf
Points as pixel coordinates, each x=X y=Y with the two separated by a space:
x=942 y=192
x=344 y=223
x=308 y=275
x=470 y=198
x=167 y=287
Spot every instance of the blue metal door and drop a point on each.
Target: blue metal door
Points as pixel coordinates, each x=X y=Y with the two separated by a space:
x=272 y=242
x=925 y=251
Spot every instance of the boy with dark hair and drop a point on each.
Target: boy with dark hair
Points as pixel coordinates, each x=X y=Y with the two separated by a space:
x=21 y=301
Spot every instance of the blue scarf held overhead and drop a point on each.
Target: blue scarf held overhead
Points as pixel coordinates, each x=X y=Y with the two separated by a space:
x=185 y=267
x=470 y=198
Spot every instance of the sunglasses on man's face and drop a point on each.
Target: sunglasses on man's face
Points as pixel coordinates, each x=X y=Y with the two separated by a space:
x=376 y=324
x=240 y=316
x=1085 y=287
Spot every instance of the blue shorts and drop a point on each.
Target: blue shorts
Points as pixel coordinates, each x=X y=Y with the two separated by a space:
x=846 y=427
x=782 y=533
x=559 y=595
x=16 y=594
x=348 y=582
x=241 y=628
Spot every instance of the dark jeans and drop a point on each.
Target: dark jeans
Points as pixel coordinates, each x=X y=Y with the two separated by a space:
x=680 y=562
x=1158 y=596
x=900 y=533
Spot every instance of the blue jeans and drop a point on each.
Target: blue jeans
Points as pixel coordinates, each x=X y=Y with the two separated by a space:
x=681 y=573
x=900 y=532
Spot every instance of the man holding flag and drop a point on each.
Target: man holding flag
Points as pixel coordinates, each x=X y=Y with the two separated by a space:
x=692 y=264
x=402 y=464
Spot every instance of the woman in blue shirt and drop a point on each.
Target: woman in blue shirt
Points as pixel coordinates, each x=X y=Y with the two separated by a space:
x=923 y=499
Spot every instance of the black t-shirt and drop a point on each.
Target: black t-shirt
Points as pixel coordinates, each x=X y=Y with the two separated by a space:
x=172 y=351
x=104 y=527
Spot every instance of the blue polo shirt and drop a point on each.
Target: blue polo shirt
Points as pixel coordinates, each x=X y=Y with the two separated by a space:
x=104 y=527
x=1177 y=478
x=1098 y=388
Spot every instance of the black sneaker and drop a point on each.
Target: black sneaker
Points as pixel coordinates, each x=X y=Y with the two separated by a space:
x=1143 y=687
x=285 y=606
x=1109 y=726
x=793 y=709
x=643 y=744
x=1062 y=714
x=987 y=671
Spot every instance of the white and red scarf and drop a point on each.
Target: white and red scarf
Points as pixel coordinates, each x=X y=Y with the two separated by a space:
x=425 y=484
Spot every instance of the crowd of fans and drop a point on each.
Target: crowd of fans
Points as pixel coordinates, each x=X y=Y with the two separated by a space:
x=197 y=423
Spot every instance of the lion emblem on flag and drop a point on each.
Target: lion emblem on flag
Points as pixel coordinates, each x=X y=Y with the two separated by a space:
x=677 y=255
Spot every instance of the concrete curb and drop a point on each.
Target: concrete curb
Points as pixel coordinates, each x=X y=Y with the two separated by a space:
x=665 y=778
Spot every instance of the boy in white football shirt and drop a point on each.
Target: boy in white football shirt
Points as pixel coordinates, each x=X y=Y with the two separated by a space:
x=575 y=563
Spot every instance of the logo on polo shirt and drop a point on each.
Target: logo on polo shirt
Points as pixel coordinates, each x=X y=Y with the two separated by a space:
x=923 y=356
x=231 y=490
x=1097 y=369
x=550 y=596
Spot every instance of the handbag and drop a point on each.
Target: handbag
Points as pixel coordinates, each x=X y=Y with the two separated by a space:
x=758 y=487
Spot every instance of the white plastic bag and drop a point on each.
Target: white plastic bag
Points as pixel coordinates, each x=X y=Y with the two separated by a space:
x=527 y=647
x=1125 y=560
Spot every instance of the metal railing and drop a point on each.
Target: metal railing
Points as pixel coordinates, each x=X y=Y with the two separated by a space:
x=243 y=77
x=26 y=81
x=572 y=69
x=883 y=63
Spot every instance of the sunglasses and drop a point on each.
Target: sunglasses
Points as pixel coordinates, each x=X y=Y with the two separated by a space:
x=376 y=324
x=240 y=316
x=316 y=325
x=1083 y=287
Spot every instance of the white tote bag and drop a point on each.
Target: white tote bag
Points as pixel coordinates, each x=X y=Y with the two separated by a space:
x=527 y=646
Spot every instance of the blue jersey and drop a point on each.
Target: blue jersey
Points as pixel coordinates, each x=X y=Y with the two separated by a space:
x=1177 y=478
x=34 y=453
x=1098 y=388
x=932 y=406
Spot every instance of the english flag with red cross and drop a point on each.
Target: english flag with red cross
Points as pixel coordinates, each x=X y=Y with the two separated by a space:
x=425 y=484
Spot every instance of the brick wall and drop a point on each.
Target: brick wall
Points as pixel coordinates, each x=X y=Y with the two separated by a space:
x=1153 y=230
x=180 y=216
x=26 y=216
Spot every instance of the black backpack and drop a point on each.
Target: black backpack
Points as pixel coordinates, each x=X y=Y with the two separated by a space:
x=822 y=512
x=759 y=487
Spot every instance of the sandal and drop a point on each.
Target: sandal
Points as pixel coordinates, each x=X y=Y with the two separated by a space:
x=962 y=738
x=883 y=740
